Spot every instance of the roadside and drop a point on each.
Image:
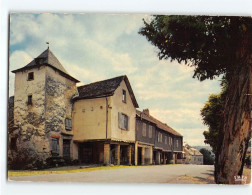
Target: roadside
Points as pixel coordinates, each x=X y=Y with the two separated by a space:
x=173 y=174
x=71 y=169
x=64 y=169
x=185 y=179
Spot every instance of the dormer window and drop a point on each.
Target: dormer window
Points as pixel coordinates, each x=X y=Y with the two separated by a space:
x=124 y=96
x=30 y=76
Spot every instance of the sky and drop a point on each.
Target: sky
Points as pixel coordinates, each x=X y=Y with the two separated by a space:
x=94 y=47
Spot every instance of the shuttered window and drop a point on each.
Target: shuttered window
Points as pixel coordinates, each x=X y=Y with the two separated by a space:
x=123 y=121
x=55 y=146
x=68 y=124
x=165 y=139
x=144 y=130
x=159 y=137
x=150 y=131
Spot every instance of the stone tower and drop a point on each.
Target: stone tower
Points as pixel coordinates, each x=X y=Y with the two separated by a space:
x=43 y=108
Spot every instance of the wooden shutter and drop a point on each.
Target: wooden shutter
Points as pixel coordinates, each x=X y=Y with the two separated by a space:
x=119 y=120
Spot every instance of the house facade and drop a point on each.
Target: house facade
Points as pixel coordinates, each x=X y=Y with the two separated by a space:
x=192 y=155
x=104 y=121
x=156 y=142
x=96 y=123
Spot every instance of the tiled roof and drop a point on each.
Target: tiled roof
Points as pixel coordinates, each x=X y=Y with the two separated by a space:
x=192 y=151
x=49 y=59
x=104 y=89
x=158 y=123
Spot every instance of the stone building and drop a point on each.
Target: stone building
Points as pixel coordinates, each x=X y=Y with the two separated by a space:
x=43 y=108
x=95 y=123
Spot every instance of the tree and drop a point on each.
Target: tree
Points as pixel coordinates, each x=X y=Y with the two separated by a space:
x=207 y=158
x=214 y=46
x=212 y=115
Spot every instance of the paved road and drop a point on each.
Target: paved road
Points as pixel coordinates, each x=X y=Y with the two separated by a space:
x=140 y=174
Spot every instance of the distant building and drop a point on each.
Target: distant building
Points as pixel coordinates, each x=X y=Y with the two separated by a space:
x=192 y=155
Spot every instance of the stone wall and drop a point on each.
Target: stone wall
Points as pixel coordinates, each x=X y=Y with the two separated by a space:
x=45 y=117
x=58 y=106
x=30 y=119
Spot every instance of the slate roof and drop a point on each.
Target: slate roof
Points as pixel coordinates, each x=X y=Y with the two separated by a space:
x=158 y=123
x=104 y=88
x=49 y=59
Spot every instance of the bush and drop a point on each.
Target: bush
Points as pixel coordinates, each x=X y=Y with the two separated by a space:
x=55 y=161
x=21 y=160
x=248 y=160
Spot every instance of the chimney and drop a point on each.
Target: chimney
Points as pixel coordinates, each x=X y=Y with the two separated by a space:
x=146 y=111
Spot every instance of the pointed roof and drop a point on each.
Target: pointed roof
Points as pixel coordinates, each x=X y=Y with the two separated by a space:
x=104 y=88
x=158 y=123
x=49 y=59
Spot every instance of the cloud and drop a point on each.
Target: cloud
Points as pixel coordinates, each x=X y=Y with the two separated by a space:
x=94 y=47
x=19 y=59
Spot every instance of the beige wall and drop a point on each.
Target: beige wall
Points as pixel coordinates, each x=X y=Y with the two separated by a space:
x=89 y=119
x=127 y=108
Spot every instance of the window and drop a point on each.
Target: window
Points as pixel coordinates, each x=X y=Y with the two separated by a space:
x=170 y=141
x=124 y=96
x=159 y=137
x=150 y=131
x=123 y=121
x=30 y=76
x=29 y=102
x=55 y=146
x=13 y=143
x=68 y=124
x=165 y=139
x=177 y=143
x=144 y=130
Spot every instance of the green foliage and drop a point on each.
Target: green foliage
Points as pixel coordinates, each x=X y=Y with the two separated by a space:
x=213 y=117
x=208 y=43
x=207 y=158
x=21 y=160
x=248 y=160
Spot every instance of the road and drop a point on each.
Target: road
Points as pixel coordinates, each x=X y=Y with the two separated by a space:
x=138 y=174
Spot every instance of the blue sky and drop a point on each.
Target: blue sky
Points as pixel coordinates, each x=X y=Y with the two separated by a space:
x=94 y=47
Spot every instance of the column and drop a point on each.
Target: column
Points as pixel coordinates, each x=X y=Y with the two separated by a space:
x=106 y=153
x=173 y=158
x=117 y=154
x=129 y=153
x=164 y=159
x=151 y=155
x=142 y=154
x=136 y=151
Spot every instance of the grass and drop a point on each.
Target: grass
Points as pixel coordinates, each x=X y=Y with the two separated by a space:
x=12 y=173
x=67 y=169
